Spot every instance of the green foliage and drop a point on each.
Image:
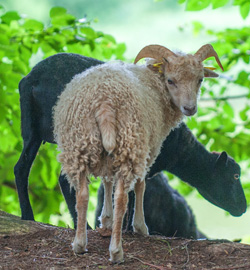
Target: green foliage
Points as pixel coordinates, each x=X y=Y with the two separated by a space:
x=222 y=122
x=196 y=5
x=23 y=39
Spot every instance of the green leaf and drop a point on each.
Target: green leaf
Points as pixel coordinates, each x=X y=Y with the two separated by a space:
x=222 y=90
x=25 y=54
x=245 y=58
x=219 y=3
x=228 y=110
x=80 y=49
x=3 y=112
x=20 y=66
x=243 y=79
x=5 y=68
x=196 y=5
x=181 y=1
x=109 y=38
x=244 y=9
x=46 y=47
x=4 y=40
x=33 y=25
x=239 y=2
x=63 y=20
x=59 y=17
x=1 y=9
x=197 y=27
x=247 y=125
x=120 y=50
x=57 y=12
x=89 y=32
x=10 y=16
x=228 y=125
x=11 y=80
x=243 y=113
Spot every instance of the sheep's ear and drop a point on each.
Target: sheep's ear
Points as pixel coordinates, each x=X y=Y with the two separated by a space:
x=155 y=67
x=209 y=73
x=221 y=160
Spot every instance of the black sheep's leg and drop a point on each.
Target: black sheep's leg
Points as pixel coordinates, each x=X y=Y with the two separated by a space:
x=22 y=170
x=98 y=211
x=130 y=213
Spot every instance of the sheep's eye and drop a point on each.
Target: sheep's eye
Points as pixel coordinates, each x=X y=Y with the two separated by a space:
x=236 y=176
x=200 y=81
x=170 y=81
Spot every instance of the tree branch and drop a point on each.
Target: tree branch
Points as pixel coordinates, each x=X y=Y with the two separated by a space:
x=223 y=98
x=9 y=184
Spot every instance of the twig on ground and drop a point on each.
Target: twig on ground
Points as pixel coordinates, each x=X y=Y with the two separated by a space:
x=149 y=264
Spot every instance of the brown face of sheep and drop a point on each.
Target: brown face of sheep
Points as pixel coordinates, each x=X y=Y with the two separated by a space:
x=183 y=79
x=183 y=73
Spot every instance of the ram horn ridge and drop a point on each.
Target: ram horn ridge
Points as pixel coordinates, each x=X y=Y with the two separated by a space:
x=157 y=52
x=207 y=51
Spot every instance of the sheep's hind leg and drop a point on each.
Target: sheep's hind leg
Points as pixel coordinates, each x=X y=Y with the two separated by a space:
x=69 y=196
x=120 y=206
x=139 y=224
x=106 y=217
x=22 y=170
x=82 y=198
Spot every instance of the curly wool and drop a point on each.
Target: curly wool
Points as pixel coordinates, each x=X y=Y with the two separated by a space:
x=111 y=121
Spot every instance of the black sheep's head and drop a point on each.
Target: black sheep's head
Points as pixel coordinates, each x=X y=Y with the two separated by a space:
x=225 y=189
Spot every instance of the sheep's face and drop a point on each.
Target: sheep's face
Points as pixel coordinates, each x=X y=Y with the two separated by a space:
x=183 y=73
x=183 y=79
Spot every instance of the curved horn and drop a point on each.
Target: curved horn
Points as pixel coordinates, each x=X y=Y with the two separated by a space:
x=154 y=51
x=208 y=51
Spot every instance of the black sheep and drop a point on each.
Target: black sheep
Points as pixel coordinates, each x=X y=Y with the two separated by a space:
x=166 y=211
x=38 y=94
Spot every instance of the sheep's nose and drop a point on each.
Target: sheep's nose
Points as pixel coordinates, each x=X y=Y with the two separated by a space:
x=189 y=110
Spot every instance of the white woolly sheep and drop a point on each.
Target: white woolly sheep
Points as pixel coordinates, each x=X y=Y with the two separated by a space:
x=111 y=121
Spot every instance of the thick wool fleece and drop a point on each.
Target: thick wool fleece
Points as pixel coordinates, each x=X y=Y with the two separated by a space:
x=111 y=121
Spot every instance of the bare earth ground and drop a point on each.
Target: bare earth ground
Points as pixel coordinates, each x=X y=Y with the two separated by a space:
x=32 y=245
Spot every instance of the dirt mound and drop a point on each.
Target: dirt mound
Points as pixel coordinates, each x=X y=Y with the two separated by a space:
x=49 y=247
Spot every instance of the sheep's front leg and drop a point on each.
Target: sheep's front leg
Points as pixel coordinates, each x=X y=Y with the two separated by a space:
x=82 y=198
x=139 y=224
x=120 y=206
x=106 y=217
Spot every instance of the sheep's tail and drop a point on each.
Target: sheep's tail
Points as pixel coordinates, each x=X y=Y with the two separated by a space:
x=106 y=120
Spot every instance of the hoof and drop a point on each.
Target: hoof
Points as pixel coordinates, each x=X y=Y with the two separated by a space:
x=141 y=230
x=79 y=247
x=107 y=222
x=116 y=256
